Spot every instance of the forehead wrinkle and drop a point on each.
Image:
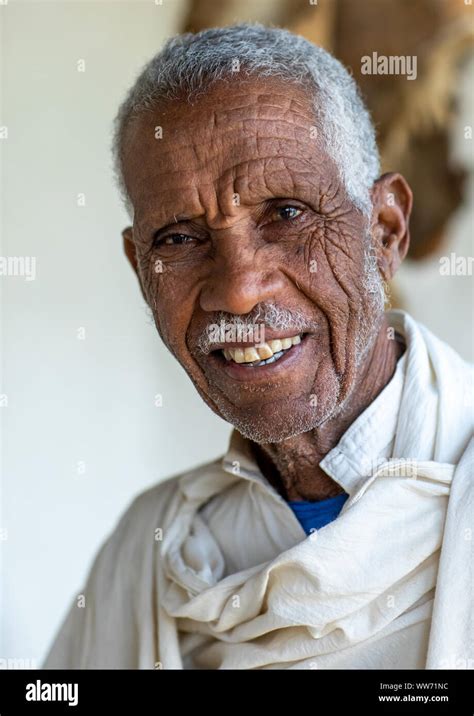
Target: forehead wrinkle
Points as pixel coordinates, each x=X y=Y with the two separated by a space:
x=277 y=172
x=245 y=109
x=248 y=135
x=219 y=160
x=263 y=114
x=288 y=112
x=251 y=132
x=212 y=150
x=298 y=103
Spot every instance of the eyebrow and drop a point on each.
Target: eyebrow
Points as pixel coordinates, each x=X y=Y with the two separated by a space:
x=177 y=218
x=170 y=221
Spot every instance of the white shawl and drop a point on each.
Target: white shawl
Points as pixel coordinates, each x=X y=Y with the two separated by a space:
x=388 y=584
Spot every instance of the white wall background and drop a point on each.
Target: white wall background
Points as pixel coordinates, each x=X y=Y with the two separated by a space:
x=87 y=404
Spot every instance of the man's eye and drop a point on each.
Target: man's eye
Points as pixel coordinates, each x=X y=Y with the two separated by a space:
x=288 y=212
x=173 y=240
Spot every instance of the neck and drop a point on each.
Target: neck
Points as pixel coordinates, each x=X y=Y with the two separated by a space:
x=292 y=466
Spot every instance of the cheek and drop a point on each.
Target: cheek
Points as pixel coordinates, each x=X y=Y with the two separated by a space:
x=170 y=298
x=329 y=272
x=335 y=258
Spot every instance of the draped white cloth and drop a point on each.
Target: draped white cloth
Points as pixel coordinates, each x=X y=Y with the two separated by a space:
x=211 y=569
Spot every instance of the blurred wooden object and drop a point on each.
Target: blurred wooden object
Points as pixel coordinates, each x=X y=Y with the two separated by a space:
x=413 y=117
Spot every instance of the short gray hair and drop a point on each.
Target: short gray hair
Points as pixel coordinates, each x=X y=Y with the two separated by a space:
x=188 y=64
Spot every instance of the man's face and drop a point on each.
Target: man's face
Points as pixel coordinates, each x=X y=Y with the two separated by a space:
x=238 y=207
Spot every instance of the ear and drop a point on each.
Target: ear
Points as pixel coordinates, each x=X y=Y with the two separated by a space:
x=131 y=254
x=129 y=247
x=392 y=200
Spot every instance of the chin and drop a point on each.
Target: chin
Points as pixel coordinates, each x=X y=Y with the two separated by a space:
x=265 y=425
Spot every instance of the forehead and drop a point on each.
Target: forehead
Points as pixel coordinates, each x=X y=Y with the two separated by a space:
x=256 y=138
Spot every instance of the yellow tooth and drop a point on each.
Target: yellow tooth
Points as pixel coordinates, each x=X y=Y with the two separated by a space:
x=275 y=345
x=251 y=355
x=296 y=340
x=227 y=355
x=238 y=355
x=286 y=343
x=264 y=351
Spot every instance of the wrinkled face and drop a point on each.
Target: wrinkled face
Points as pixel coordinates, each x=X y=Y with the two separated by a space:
x=239 y=212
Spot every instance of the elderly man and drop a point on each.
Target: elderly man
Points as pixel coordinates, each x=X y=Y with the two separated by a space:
x=336 y=532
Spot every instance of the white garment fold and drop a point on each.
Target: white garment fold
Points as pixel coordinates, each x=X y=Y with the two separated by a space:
x=333 y=590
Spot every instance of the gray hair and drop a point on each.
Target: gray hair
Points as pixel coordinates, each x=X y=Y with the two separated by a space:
x=188 y=64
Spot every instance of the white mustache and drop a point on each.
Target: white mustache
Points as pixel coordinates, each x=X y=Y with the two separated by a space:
x=269 y=314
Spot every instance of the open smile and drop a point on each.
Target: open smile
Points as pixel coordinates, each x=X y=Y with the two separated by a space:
x=263 y=354
x=258 y=361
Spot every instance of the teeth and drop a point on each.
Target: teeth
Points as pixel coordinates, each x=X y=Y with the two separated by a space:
x=264 y=351
x=237 y=354
x=251 y=355
x=262 y=354
x=275 y=345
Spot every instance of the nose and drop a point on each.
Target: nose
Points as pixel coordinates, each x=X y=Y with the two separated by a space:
x=239 y=281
